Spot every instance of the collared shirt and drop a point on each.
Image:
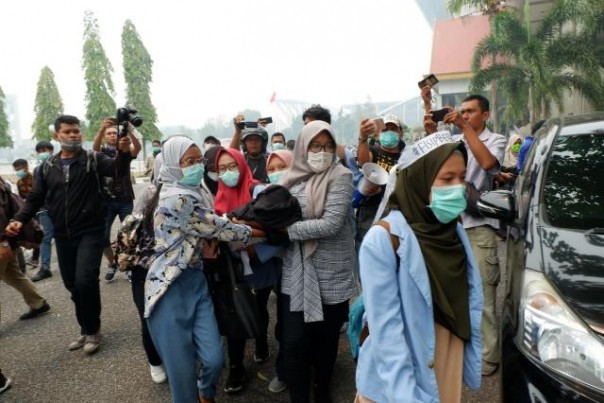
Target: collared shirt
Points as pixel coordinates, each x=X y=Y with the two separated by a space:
x=482 y=179
x=396 y=361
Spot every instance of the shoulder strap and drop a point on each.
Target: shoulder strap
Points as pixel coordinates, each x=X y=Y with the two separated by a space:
x=393 y=238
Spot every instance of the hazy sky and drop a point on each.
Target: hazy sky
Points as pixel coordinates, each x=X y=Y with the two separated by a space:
x=219 y=57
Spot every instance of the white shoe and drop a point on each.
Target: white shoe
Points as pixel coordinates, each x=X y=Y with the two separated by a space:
x=158 y=373
x=276 y=385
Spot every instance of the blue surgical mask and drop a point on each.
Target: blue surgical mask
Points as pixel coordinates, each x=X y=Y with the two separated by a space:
x=275 y=177
x=230 y=178
x=21 y=173
x=278 y=146
x=448 y=202
x=213 y=176
x=389 y=139
x=191 y=176
x=156 y=149
x=43 y=156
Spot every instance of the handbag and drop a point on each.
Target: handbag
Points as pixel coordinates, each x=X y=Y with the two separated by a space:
x=31 y=234
x=235 y=305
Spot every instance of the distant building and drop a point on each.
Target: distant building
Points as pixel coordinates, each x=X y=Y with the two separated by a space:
x=433 y=10
x=453 y=46
x=12 y=113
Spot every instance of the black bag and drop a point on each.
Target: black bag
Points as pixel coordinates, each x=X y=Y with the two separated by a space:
x=235 y=305
x=31 y=234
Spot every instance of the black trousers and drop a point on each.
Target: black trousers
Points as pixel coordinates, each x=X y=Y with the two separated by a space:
x=138 y=295
x=79 y=261
x=236 y=347
x=309 y=346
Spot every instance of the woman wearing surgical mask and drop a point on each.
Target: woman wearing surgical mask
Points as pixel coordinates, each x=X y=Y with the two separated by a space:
x=423 y=301
x=317 y=267
x=510 y=160
x=236 y=188
x=209 y=183
x=277 y=165
x=178 y=307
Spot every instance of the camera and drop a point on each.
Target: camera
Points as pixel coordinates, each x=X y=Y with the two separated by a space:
x=439 y=115
x=127 y=114
x=254 y=125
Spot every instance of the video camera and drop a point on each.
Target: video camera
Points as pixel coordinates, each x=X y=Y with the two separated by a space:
x=254 y=125
x=127 y=115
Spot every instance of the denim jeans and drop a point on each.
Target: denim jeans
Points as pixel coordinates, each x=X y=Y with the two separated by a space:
x=46 y=245
x=116 y=209
x=184 y=330
x=79 y=261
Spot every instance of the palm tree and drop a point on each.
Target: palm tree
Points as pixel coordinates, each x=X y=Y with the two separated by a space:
x=488 y=7
x=538 y=69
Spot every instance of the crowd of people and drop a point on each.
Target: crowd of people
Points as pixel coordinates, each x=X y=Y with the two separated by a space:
x=415 y=248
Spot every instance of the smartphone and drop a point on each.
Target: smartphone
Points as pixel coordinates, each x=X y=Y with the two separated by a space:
x=430 y=80
x=379 y=122
x=439 y=115
x=266 y=120
x=252 y=125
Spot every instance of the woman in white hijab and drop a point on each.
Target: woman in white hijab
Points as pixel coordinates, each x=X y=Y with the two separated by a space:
x=178 y=307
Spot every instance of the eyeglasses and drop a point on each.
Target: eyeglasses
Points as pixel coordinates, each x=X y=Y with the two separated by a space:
x=316 y=147
x=192 y=161
x=231 y=167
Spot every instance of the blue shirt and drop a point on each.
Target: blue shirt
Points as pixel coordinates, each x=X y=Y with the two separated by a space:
x=396 y=361
x=523 y=152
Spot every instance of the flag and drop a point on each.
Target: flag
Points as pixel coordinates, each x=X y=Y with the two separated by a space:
x=273 y=97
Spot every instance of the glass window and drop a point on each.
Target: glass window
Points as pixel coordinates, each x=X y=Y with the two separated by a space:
x=573 y=192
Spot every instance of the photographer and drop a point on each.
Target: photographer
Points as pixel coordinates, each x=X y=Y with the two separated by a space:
x=254 y=142
x=386 y=154
x=117 y=191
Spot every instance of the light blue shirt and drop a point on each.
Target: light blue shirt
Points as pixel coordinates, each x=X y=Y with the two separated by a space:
x=396 y=360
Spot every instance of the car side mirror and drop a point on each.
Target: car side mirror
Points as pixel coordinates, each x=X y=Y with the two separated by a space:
x=497 y=204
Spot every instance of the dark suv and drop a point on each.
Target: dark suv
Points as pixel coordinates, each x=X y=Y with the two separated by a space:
x=553 y=314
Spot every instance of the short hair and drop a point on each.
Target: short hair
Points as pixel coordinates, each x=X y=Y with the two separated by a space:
x=19 y=163
x=66 y=119
x=537 y=126
x=156 y=141
x=212 y=140
x=317 y=112
x=277 y=134
x=44 y=145
x=291 y=144
x=483 y=103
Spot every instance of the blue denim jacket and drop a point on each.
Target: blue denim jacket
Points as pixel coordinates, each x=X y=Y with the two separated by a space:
x=396 y=360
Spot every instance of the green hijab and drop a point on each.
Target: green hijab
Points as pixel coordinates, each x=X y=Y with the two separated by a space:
x=441 y=247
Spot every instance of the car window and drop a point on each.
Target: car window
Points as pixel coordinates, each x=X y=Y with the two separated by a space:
x=573 y=195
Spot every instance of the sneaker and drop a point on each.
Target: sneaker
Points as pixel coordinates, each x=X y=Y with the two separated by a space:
x=110 y=276
x=93 y=342
x=34 y=313
x=42 y=274
x=79 y=343
x=235 y=380
x=276 y=385
x=489 y=368
x=4 y=382
x=261 y=356
x=158 y=373
x=33 y=263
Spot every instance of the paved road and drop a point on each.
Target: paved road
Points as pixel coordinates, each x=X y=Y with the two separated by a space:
x=34 y=353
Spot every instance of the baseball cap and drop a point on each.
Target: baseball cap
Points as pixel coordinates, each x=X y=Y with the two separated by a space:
x=393 y=119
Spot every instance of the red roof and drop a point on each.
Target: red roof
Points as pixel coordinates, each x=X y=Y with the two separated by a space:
x=454 y=43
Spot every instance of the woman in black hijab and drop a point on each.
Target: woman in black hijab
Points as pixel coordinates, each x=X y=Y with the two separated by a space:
x=424 y=300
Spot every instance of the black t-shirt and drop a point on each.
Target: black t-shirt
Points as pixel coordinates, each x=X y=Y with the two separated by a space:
x=116 y=189
x=384 y=158
x=258 y=167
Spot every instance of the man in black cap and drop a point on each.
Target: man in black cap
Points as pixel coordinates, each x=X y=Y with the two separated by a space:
x=254 y=142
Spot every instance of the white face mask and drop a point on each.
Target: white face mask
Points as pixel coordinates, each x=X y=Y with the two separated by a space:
x=320 y=161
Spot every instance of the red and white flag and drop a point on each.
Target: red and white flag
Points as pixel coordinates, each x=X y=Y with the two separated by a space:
x=273 y=97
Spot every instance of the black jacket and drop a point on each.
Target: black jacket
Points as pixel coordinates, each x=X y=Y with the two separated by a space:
x=75 y=205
